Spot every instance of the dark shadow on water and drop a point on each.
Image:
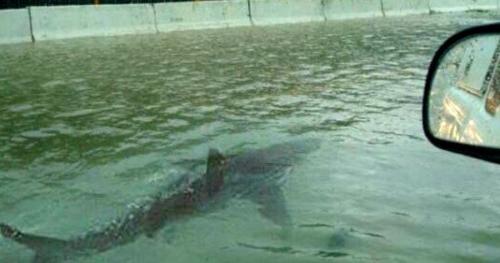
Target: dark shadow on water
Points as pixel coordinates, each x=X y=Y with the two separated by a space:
x=331 y=254
x=316 y=225
x=280 y=250
x=292 y=251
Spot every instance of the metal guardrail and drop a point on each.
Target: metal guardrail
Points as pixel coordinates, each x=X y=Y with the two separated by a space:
x=9 y=4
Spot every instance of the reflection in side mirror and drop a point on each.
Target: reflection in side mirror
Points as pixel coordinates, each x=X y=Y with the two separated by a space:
x=465 y=95
x=462 y=100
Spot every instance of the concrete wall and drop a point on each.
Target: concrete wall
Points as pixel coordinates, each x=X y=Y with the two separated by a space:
x=405 y=7
x=462 y=5
x=58 y=22
x=268 y=12
x=14 y=26
x=346 y=9
x=195 y=15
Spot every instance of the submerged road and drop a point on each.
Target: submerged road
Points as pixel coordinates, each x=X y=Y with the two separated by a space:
x=90 y=128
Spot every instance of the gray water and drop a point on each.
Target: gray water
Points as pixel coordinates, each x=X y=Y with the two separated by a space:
x=91 y=127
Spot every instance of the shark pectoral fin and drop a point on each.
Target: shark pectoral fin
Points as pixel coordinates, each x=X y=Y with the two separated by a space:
x=273 y=206
x=152 y=228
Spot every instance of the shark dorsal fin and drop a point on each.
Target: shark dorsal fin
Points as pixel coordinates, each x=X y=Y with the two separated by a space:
x=214 y=177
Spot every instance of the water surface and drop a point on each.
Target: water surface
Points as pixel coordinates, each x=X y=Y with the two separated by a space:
x=90 y=127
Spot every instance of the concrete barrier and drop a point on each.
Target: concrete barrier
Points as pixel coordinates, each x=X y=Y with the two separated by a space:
x=14 y=26
x=196 y=15
x=58 y=22
x=347 y=9
x=405 y=7
x=268 y=12
x=462 y=5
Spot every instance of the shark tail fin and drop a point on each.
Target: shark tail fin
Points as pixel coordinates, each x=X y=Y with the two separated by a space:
x=46 y=249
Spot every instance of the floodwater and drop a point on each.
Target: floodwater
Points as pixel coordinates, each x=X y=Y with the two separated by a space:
x=90 y=127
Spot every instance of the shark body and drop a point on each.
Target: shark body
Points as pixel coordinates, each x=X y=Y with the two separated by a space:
x=256 y=175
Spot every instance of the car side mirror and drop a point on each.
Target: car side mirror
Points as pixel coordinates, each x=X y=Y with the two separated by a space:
x=461 y=109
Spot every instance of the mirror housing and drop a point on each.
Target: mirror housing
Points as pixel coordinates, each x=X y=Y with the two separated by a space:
x=461 y=108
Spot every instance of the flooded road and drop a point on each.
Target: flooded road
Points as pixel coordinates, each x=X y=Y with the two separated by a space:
x=91 y=127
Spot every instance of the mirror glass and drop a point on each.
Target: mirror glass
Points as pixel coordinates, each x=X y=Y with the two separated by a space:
x=464 y=101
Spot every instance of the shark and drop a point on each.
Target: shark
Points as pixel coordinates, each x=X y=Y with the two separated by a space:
x=257 y=175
